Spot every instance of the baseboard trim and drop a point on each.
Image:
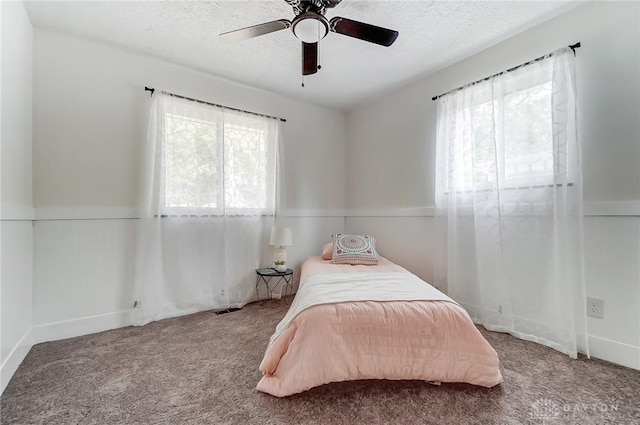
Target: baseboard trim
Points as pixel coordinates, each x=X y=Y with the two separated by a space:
x=14 y=359
x=614 y=352
x=82 y=326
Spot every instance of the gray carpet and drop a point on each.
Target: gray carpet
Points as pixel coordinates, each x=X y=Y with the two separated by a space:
x=203 y=368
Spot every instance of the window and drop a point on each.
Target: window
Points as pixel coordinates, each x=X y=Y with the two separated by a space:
x=503 y=134
x=528 y=154
x=191 y=163
x=217 y=161
x=520 y=151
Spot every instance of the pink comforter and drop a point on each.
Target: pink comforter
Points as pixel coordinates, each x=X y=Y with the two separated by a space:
x=424 y=340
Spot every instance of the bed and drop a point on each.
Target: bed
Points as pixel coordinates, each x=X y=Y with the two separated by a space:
x=350 y=322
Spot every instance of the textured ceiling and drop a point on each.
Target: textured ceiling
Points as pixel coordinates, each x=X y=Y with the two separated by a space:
x=433 y=34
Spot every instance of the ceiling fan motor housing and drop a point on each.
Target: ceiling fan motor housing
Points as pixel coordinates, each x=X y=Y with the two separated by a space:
x=318 y=6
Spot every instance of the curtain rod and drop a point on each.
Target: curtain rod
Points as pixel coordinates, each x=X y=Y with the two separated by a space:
x=572 y=47
x=151 y=89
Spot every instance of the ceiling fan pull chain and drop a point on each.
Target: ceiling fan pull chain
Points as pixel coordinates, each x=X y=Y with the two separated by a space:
x=303 y=81
x=319 y=38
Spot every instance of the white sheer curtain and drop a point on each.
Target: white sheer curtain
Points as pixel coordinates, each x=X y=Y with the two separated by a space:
x=208 y=204
x=509 y=191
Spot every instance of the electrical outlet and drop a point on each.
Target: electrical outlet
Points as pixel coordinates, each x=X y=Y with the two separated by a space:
x=222 y=292
x=595 y=308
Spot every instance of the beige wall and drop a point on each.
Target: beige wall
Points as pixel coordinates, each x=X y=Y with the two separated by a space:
x=90 y=121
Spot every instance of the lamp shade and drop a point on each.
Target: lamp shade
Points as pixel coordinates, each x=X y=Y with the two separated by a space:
x=281 y=236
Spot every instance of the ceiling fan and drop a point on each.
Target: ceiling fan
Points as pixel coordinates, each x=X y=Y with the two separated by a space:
x=310 y=26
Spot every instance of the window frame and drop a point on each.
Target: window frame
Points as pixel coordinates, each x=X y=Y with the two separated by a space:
x=487 y=95
x=220 y=209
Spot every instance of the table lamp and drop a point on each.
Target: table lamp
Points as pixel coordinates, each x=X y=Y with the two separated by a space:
x=280 y=238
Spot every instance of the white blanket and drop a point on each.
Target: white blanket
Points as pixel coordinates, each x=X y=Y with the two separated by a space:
x=337 y=288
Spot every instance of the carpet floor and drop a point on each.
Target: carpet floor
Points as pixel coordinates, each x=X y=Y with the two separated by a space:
x=203 y=369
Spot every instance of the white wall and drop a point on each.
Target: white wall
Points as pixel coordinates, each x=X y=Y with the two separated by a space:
x=90 y=114
x=90 y=121
x=391 y=160
x=612 y=257
x=16 y=207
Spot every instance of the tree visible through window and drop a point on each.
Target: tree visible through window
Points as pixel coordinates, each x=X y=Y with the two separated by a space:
x=510 y=139
x=215 y=165
x=528 y=134
x=191 y=163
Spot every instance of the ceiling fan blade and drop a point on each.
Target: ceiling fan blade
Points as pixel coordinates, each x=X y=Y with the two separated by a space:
x=309 y=58
x=256 y=30
x=362 y=31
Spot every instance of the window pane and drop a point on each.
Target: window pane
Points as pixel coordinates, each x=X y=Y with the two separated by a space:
x=245 y=166
x=191 y=163
x=528 y=133
x=484 y=147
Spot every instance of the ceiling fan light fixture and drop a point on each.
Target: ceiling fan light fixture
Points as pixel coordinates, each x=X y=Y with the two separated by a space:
x=310 y=27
